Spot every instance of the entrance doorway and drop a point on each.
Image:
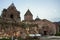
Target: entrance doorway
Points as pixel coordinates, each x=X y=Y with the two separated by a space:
x=11 y=16
x=45 y=32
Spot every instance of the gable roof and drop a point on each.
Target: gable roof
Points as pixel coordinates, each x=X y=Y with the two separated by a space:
x=28 y=13
x=12 y=6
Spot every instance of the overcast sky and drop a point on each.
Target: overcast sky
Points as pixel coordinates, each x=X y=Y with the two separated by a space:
x=45 y=9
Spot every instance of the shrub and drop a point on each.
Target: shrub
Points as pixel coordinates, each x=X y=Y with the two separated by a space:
x=57 y=34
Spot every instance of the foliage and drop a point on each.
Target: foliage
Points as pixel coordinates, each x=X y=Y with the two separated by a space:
x=5 y=39
x=19 y=38
x=32 y=38
x=24 y=25
x=57 y=34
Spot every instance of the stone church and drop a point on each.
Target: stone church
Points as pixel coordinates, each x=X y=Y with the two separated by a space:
x=11 y=24
x=11 y=13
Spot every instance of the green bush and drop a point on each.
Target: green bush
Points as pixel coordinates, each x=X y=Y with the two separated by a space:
x=57 y=34
x=20 y=38
x=5 y=39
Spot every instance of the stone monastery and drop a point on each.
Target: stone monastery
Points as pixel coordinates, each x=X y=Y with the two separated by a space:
x=11 y=24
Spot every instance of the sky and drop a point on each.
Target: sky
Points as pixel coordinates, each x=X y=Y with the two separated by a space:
x=44 y=9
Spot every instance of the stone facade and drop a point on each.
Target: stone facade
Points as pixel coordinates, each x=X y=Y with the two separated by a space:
x=11 y=13
x=11 y=24
x=28 y=16
x=45 y=26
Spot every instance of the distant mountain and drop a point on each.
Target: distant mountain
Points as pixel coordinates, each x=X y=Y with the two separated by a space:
x=55 y=19
x=57 y=23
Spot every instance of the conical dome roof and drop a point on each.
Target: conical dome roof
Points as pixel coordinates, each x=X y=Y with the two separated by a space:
x=28 y=13
x=37 y=19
